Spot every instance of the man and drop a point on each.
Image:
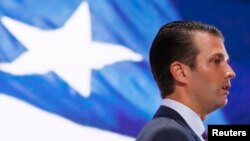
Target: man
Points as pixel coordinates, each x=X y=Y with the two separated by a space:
x=190 y=65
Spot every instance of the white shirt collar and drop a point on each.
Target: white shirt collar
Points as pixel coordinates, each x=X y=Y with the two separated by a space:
x=192 y=119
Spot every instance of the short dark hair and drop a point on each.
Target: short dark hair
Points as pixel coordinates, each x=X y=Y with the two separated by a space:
x=174 y=42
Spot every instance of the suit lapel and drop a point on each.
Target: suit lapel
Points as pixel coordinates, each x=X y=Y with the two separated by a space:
x=164 y=111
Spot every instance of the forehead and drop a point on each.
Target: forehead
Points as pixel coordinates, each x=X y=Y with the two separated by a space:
x=209 y=44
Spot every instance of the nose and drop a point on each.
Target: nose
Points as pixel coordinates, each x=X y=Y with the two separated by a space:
x=230 y=72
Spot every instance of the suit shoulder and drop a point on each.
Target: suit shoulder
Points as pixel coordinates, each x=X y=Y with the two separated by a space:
x=163 y=129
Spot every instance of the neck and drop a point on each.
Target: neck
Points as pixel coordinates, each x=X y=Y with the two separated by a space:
x=185 y=99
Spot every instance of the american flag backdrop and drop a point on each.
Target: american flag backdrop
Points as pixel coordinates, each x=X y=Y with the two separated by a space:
x=79 y=70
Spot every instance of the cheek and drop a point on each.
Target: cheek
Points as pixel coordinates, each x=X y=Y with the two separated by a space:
x=205 y=83
x=208 y=76
x=201 y=78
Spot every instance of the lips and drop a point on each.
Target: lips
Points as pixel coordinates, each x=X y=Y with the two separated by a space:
x=226 y=88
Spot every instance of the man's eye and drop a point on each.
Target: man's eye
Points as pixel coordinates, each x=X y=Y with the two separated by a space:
x=217 y=61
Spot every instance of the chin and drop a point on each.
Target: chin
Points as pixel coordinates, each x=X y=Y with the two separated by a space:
x=223 y=103
x=220 y=104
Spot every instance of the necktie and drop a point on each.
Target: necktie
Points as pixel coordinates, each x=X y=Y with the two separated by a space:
x=205 y=135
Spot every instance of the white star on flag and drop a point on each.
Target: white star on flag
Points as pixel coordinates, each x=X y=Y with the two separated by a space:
x=68 y=51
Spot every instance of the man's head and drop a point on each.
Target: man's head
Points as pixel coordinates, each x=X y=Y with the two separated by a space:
x=176 y=42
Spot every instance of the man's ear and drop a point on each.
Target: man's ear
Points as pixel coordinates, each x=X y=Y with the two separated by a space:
x=179 y=71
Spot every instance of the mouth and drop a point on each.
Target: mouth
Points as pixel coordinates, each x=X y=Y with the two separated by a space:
x=226 y=88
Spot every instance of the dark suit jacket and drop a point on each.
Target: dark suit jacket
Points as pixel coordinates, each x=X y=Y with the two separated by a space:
x=167 y=125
